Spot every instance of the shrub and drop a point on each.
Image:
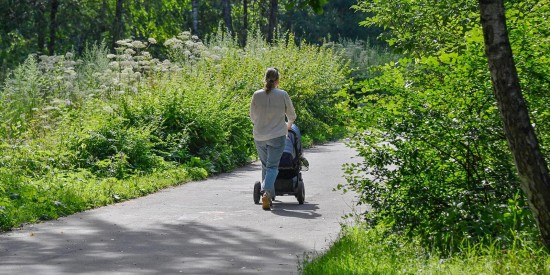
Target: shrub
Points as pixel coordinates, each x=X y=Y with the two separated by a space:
x=436 y=162
x=84 y=132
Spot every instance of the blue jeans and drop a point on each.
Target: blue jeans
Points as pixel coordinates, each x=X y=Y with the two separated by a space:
x=270 y=152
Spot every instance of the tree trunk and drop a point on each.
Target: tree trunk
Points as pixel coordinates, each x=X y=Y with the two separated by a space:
x=54 y=5
x=272 y=20
x=117 y=25
x=226 y=10
x=245 y=23
x=40 y=26
x=195 y=16
x=530 y=164
x=102 y=22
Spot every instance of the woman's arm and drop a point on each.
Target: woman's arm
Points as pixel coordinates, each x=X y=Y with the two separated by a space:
x=289 y=111
x=252 y=112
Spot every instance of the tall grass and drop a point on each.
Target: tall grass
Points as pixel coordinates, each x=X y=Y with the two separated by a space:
x=362 y=250
x=79 y=132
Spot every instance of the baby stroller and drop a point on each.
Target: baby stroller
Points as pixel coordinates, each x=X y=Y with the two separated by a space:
x=289 y=179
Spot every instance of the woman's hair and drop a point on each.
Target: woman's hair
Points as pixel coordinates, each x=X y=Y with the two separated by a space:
x=271 y=75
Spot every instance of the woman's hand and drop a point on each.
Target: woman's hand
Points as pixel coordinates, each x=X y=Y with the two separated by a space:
x=289 y=125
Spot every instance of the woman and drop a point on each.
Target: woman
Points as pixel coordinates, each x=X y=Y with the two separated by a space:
x=268 y=110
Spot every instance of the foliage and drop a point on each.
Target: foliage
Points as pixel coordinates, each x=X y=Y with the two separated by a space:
x=436 y=163
x=83 y=131
x=361 y=250
x=60 y=193
x=422 y=27
x=337 y=22
x=27 y=27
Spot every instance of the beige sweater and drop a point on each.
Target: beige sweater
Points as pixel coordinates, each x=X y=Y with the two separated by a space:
x=267 y=112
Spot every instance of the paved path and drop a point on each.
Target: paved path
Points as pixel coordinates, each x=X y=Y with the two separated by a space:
x=204 y=227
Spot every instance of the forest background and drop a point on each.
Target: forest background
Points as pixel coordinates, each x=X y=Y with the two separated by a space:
x=58 y=26
x=103 y=101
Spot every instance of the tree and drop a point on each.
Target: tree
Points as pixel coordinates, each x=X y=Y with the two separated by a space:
x=226 y=10
x=245 y=23
x=54 y=5
x=273 y=9
x=530 y=164
x=195 y=16
x=40 y=7
x=102 y=25
x=117 y=24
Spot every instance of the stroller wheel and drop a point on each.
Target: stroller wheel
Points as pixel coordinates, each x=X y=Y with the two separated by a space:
x=301 y=192
x=257 y=192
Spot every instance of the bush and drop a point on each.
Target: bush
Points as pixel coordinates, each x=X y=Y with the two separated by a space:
x=84 y=132
x=436 y=162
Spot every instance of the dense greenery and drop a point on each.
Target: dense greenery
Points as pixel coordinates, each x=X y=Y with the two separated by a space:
x=79 y=132
x=58 y=26
x=436 y=163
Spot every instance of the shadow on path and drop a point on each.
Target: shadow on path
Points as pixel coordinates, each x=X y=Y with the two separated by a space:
x=181 y=247
x=295 y=210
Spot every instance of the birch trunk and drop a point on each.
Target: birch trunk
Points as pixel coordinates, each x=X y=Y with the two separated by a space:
x=530 y=164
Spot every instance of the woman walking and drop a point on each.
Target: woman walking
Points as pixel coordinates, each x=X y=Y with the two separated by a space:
x=268 y=110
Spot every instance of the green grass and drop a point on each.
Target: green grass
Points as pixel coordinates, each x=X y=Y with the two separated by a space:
x=60 y=194
x=362 y=250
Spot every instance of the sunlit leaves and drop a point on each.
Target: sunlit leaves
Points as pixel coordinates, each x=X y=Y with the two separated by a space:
x=422 y=26
x=451 y=161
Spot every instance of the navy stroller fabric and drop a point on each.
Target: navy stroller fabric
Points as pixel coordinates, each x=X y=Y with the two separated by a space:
x=293 y=148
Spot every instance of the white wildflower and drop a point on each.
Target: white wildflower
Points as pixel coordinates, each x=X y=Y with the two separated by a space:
x=138 y=45
x=129 y=51
x=57 y=101
x=146 y=55
x=123 y=41
x=126 y=63
x=108 y=109
x=152 y=40
x=184 y=35
x=70 y=72
x=111 y=56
